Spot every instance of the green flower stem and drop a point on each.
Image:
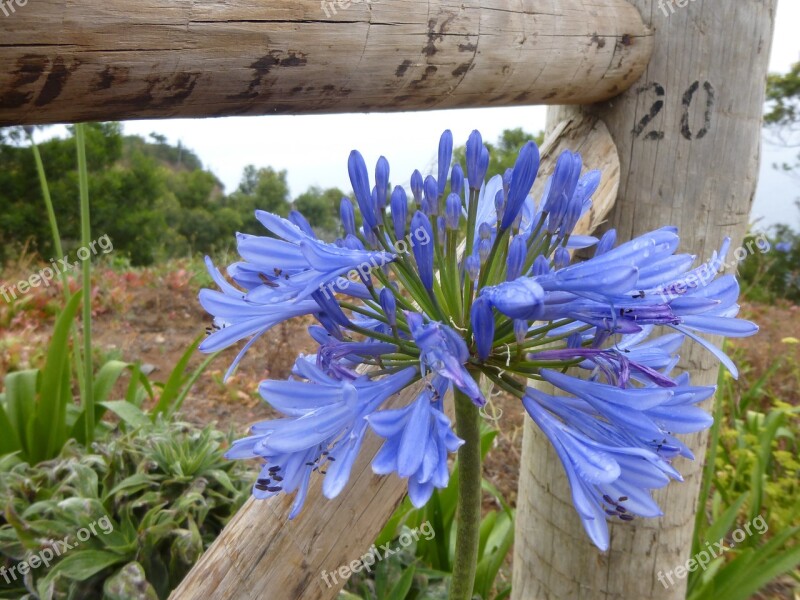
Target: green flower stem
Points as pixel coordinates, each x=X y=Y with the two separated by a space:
x=506 y=382
x=86 y=239
x=51 y=214
x=408 y=350
x=472 y=216
x=51 y=217
x=454 y=279
x=468 y=516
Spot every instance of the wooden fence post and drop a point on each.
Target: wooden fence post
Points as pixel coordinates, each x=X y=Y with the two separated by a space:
x=688 y=134
x=68 y=61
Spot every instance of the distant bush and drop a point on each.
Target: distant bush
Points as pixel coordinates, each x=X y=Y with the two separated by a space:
x=775 y=274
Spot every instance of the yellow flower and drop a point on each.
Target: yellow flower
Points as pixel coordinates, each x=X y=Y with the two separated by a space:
x=790 y=340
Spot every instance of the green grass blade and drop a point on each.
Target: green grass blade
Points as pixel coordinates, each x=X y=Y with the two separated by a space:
x=50 y=425
x=87 y=402
x=403 y=586
x=171 y=390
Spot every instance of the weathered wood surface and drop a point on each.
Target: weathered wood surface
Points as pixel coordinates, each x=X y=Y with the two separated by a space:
x=79 y=60
x=261 y=554
x=688 y=135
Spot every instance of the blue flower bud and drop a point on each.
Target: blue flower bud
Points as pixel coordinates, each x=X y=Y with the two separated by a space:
x=520 y=330
x=382 y=181
x=517 y=251
x=476 y=164
x=351 y=242
x=522 y=298
x=360 y=182
x=331 y=308
x=298 y=219
x=348 y=216
x=500 y=204
x=330 y=326
x=484 y=248
x=457 y=180
x=473 y=266
x=483 y=163
x=525 y=170
x=507 y=177
x=606 y=242
x=445 y=158
x=557 y=182
x=541 y=266
x=575 y=340
x=482 y=318
x=561 y=258
x=399 y=211
x=423 y=253
x=431 y=203
x=389 y=306
x=517 y=222
x=485 y=231
x=416 y=187
x=376 y=204
x=571 y=217
x=370 y=237
x=562 y=187
x=453 y=211
x=441 y=229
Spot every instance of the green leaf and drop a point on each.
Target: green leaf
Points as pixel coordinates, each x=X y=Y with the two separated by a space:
x=20 y=398
x=107 y=377
x=724 y=523
x=497 y=546
x=80 y=566
x=402 y=587
x=50 y=426
x=170 y=393
x=128 y=413
x=134 y=483
x=9 y=441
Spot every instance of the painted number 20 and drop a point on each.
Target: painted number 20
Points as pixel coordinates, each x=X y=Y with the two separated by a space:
x=686 y=103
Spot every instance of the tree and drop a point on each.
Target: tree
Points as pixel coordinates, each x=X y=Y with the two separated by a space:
x=783 y=114
x=321 y=208
x=260 y=189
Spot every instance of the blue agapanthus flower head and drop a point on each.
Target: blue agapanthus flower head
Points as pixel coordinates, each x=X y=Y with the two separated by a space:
x=460 y=283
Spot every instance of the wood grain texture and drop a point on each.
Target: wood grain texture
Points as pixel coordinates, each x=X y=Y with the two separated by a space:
x=261 y=554
x=79 y=60
x=689 y=141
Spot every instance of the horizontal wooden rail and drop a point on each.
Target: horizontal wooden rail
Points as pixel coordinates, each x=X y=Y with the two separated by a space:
x=261 y=554
x=79 y=60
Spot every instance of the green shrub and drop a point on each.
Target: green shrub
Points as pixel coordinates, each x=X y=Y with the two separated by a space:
x=752 y=475
x=161 y=494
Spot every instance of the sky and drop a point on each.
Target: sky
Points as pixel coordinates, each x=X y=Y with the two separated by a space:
x=314 y=149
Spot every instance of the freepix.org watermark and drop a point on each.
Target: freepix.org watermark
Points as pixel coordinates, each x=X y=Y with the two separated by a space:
x=702 y=559
x=57 y=548
x=9 y=7
x=329 y=6
x=63 y=265
x=362 y=271
x=706 y=273
x=376 y=554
